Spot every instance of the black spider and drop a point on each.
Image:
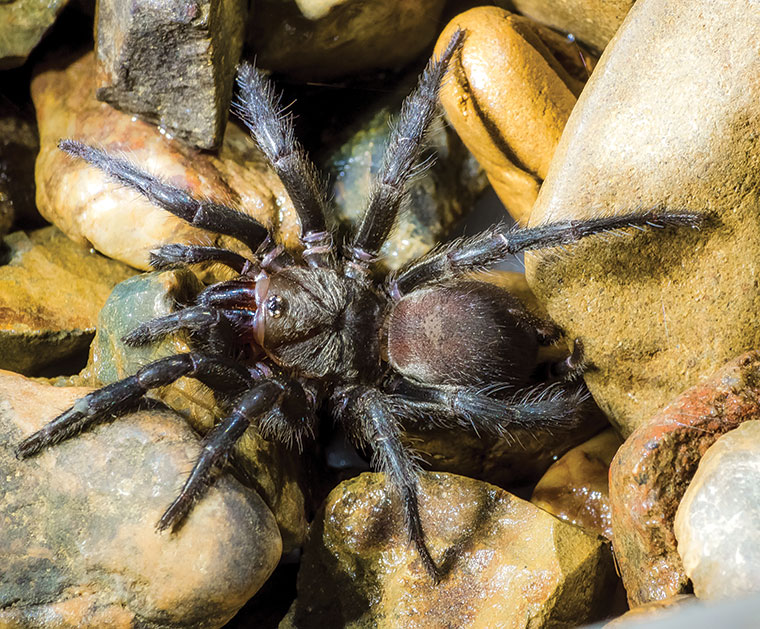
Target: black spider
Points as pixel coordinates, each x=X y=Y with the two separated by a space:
x=431 y=342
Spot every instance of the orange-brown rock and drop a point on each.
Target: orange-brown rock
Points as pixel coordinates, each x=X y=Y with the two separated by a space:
x=661 y=123
x=509 y=563
x=118 y=222
x=509 y=98
x=78 y=541
x=653 y=468
x=576 y=488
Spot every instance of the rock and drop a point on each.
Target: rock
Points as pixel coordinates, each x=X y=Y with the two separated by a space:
x=653 y=468
x=436 y=199
x=51 y=290
x=576 y=488
x=18 y=150
x=77 y=532
x=324 y=40
x=651 y=612
x=120 y=223
x=716 y=524
x=661 y=123
x=173 y=63
x=590 y=21
x=508 y=97
x=269 y=467
x=22 y=25
x=511 y=564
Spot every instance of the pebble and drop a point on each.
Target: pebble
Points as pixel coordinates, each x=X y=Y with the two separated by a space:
x=652 y=469
x=717 y=522
x=669 y=118
x=77 y=524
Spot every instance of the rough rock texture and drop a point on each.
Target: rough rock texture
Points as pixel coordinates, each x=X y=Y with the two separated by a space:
x=51 y=291
x=653 y=468
x=662 y=122
x=511 y=564
x=22 y=25
x=78 y=542
x=269 y=467
x=576 y=488
x=311 y=40
x=171 y=63
x=509 y=98
x=18 y=150
x=653 y=611
x=717 y=524
x=593 y=22
x=120 y=222
x=436 y=199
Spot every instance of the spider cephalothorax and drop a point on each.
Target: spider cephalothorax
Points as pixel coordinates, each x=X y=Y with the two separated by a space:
x=430 y=343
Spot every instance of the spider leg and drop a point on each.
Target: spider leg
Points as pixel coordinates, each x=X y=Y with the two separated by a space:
x=399 y=161
x=123 y=396
x=205 y=214
x=370 y=417
x=259 y=107
x=174 y=255
x=484 y=250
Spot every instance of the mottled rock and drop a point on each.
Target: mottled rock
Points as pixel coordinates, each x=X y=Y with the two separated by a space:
x=511 y=564
x=716 y=524
x=436 y=199
x=18 y=150
x=509 y=98
x=654 y=611
x=77 y=524
x=120 y=222
x=576 y=488
x=661 y=123
x=593 y=22
x=269 y=467
x=326 y=40
x=171 y=63
x=22 y=25
x=653 y=468
x=51 y=291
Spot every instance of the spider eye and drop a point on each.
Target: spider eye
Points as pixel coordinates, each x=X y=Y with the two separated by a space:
x=275 y=306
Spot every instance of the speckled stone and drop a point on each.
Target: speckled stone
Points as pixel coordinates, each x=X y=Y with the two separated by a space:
x=717 y=524
x=117 y=221
x=669 y=118
x=511 y=564
x=78 y=542
x=652 y=469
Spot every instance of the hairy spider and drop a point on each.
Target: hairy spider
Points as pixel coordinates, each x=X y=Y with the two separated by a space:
x=294 y=333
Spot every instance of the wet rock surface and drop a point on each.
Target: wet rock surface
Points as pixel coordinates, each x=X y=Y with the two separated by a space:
x=511 y=564
x=576 y=488
x=78 y=540
x=653 y=468
x=660 y=124
x=324 y=40
x=172 y=64
x=716 y=524
x=121 y=223
x=509 y=98
x=51 y=291
x=22 y=25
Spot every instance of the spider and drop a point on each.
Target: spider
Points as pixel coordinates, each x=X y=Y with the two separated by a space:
x=296 y=333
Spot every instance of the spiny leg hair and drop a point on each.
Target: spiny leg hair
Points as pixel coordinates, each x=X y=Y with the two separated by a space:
x=177 y=255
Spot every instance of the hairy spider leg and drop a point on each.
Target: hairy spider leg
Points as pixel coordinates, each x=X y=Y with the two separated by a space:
x=493 y=245
x=400 y=161
x=176 y=255
x=258 y=105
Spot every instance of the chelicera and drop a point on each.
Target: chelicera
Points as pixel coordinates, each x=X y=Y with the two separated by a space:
x=294 y=334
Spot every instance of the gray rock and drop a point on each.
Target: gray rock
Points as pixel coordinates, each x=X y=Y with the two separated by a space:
x=172 y=63
x=22 y=25
x=717 y=524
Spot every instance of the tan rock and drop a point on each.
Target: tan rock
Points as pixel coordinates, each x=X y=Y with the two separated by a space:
x=508 y=97
x=594 y=22
x=119 y=222
x=653 y=611
x=576 y=489
x=51 y=290
x=511 y=564
x=78 y=542
x=662 y=122
x=314 y=40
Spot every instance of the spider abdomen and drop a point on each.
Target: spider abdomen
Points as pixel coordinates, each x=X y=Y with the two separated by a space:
x=464 y=332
